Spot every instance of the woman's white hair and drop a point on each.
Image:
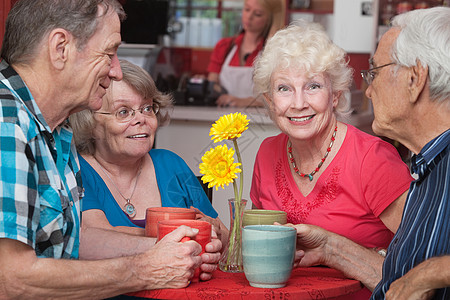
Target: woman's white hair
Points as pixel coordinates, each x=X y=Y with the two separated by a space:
x=305 y=45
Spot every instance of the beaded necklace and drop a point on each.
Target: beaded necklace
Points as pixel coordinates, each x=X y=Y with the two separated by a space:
x=310 y=175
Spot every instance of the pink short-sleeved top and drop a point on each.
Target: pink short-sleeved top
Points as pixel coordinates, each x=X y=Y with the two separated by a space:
x=363 y=179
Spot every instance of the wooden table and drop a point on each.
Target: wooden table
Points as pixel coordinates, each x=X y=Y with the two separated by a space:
x=305 y=283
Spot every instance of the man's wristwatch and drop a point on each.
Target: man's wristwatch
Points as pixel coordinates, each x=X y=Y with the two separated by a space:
x=381 y=251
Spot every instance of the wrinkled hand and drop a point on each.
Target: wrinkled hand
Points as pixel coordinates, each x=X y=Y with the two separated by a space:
x=412 y=286
x=201 y=216
x=311 y=242
x=170 y=263
x=211 y=257
x=226 y=100
x=221 y=230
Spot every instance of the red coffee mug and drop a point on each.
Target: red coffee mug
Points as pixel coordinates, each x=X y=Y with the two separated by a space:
x=156 y=214
x=203 y=236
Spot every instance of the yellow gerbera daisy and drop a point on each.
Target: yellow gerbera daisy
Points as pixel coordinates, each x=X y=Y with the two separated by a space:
x=229 y=127
x=218 y=167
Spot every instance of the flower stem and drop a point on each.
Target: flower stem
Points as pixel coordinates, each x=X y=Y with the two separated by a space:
x=241 y=176
x=236 y=199
x=234 y=234
x=234 y=252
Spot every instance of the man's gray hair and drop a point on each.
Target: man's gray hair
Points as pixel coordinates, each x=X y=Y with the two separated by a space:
x=425 y=37
x=30 y=21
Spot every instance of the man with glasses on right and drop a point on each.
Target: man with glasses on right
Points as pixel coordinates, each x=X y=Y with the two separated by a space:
x=409 y=86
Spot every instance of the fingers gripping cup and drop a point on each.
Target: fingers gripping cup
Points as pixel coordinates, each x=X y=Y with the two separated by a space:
x=268 y=253
x=203 y=236
x=156 y=214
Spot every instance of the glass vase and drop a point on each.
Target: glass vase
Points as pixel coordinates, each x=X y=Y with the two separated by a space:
x=231 y=259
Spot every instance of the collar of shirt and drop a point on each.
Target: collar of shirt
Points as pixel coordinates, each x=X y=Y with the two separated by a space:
x=238 y=41
x=18 y=88
x=421 y=163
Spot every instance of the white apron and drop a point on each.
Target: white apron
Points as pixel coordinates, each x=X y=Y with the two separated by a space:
x=238 y=80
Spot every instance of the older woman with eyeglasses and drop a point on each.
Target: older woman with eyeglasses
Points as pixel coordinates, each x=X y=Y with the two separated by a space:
x=122 y=174
x=320 y=170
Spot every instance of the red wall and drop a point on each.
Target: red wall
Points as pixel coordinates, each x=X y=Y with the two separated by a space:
x=358 y=62
x=200 y=60
x=5 y=6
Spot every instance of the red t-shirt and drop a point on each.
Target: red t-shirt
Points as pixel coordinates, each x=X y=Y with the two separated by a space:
x=222 y=49
x=362 y=180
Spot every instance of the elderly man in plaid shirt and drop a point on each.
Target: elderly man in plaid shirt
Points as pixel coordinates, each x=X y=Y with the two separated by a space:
x=59 y=57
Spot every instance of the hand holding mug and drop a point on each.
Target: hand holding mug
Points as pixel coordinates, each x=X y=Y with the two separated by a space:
x=203 y=236
x=169 y=263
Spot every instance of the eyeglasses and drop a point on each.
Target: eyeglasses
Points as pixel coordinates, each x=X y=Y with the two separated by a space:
x=369 y=75
x=126 y=114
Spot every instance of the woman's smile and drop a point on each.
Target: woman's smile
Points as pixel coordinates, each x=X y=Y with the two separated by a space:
x=301 y=119
x=138 y=136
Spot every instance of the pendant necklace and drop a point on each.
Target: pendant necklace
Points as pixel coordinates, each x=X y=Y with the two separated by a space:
x=310 y=175
x=128 y=208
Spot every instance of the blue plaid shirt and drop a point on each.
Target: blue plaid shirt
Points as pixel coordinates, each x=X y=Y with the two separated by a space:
x=425 y=228
x=40 y=182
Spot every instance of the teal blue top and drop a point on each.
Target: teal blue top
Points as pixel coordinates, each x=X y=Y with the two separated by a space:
x=178 y=186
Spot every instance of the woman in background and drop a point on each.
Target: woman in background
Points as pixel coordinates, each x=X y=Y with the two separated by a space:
x=232 y=59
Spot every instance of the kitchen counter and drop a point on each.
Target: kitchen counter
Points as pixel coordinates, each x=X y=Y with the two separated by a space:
x=212 y=113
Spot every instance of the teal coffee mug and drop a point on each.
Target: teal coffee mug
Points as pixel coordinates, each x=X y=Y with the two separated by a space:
x=268 y=253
